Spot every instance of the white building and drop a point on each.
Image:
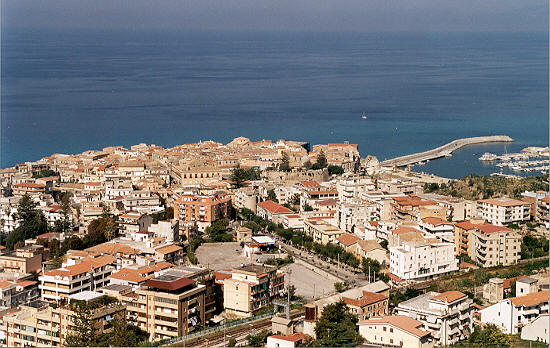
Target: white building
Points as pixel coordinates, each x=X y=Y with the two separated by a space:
x=537 y=330
x=437 y=227
x=355 y=213
x=350 y=186
x=396 y=331
x=447 y=315
x=500 y=211
x=422 y=259
x=513 y=313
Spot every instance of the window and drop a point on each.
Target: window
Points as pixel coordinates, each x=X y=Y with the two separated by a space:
x=384 y=328
x=391 y=329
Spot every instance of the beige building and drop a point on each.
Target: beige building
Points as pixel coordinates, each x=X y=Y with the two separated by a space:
x=368 y=305
x=250 y=288
x=322 y=232
x=40 y=325
x=500 y=211
x=495 y=245
x=167 y=306
x=463 y=235
x=24 y=260
x=395 y=331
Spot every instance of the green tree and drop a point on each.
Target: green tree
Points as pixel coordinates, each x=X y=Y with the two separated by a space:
x=232 y=342
x=339 y=286
x=337 y=170
x=100 y=231
x=259 y=339
x=272 y=196
x=371 y=268
x=31 y=222
x=83 y=333
x=337 y=327
x=239 y=176
x=217 y=231
x=489 y=336
x=285 y=163
x=308 y=165
x=321 y=161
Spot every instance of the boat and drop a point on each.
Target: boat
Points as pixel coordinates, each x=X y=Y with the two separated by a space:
x=364 y=117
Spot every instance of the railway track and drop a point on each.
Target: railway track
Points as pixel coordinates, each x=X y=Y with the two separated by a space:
x=217 y=338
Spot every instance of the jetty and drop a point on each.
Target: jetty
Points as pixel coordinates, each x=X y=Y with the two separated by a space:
x=442 y=151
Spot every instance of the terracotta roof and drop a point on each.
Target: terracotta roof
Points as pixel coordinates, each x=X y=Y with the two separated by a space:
x=5 y=284
x=530 y=299
x=312 y=183
x=29 y=184
x=328 y=202
x=414 y=201
x=26 y=283
x=507 y=283
x=488 y=228
x=365 y=300
x=503 y=202
x=449 y=296
x=435 y=221
x=402 y=322
x=465 y=264
x=169 y=249
x=274 y=208
x=348 y=239
x=298 y=336
x=130 y=275
x=373 y=223
x=369 y=245
x=395 y=278
x=114 y=248
x=466 y=225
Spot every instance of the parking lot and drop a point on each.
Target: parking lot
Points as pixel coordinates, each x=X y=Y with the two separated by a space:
x=218 y=256
x=307 y=282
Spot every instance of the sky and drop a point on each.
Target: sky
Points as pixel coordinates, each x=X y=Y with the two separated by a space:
x=280 y=15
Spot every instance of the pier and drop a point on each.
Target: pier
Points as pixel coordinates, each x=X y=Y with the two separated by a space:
x=442 y=151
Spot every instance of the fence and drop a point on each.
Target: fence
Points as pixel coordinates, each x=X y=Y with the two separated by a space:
x=213 y=329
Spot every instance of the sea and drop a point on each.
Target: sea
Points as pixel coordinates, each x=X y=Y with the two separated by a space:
x=67 y=91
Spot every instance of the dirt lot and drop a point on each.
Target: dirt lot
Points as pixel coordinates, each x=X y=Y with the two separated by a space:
x=307 y=282
x=218 y=256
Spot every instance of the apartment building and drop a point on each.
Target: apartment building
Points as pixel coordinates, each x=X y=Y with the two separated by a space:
x=246 y=197
x=16 y=292
x=463 y=235
x=495 y=245
x=142 y=201
x=351 y=186
x=24 y=260
x=421 y=259
x=167 y=306
x=395 y=331
x=543 y=211
x=437 y=227
x=501 y=211
x=38 y=324
x=355 y=213
x=321 y=231
x=511 y=314
x=88 y=275
x=202 y=210
x=250 y=288
x=134 y=221
x=407 y=208
x=447 y=315
x=368 y=305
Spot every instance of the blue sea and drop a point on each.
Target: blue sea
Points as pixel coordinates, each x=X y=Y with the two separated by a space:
x=69 y=91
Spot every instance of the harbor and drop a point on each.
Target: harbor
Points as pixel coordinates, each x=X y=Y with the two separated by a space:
x=442 y=151
x=528 y=160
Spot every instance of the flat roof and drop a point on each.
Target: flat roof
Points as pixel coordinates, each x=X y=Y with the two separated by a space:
x=169 y=282
x=86 y=295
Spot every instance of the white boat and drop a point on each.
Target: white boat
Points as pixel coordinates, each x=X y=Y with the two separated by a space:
x=364 y=117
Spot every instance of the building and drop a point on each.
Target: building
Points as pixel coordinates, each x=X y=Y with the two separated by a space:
x=39 y=324
x=246 y=198
x=537 y=330
x=395 y=331
x=511 y=314
x=322 y=232
x=250 y=288
x=24 y=260
x=407 y=208
x=526 y=285
x=17 y=292
x=501 y=211
x=369 y=304
x=447 y=315
x=439 y=228
x=272 y=211
x=168 y=306
x=495 y=245
x=371 y=249
x=422 y=259
x=493 y=291
x=295 y=340
x=463 y=232
x=88 y=275
x=201 y=210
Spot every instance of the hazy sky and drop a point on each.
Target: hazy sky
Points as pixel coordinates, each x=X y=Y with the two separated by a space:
x=288 y=15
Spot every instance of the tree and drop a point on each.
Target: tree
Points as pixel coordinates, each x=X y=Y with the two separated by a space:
x=489 y=336
x=337 y=170
x=321 y=161
x=259 y=339
x=239 y=176
x=339 y=286
x=285 y=163
x=337 y=327
x=272 y=196
x=31 y=222
x=100 y=231
x=82 y=334
x=232 y=342
x=308 y=164
x=371 y=268
x=123 y=334
x=217 y=231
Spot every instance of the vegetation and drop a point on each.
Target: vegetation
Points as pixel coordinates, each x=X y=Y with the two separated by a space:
x=272 y=196
x=192 y=247
x=308 y=207
x=337 y=170
x=280 y=262
x=533 y=247
x=490 y=335
x=232 y=342
x=259 y=339
x=45 y=173
x=373 y=269
x=167 y=214
x=340 y=286
x=32 y=222
x=217 y=231
x=239 y=176
x=321 y=161
x=337 y=327
x=285 y=163
x=482 y=187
